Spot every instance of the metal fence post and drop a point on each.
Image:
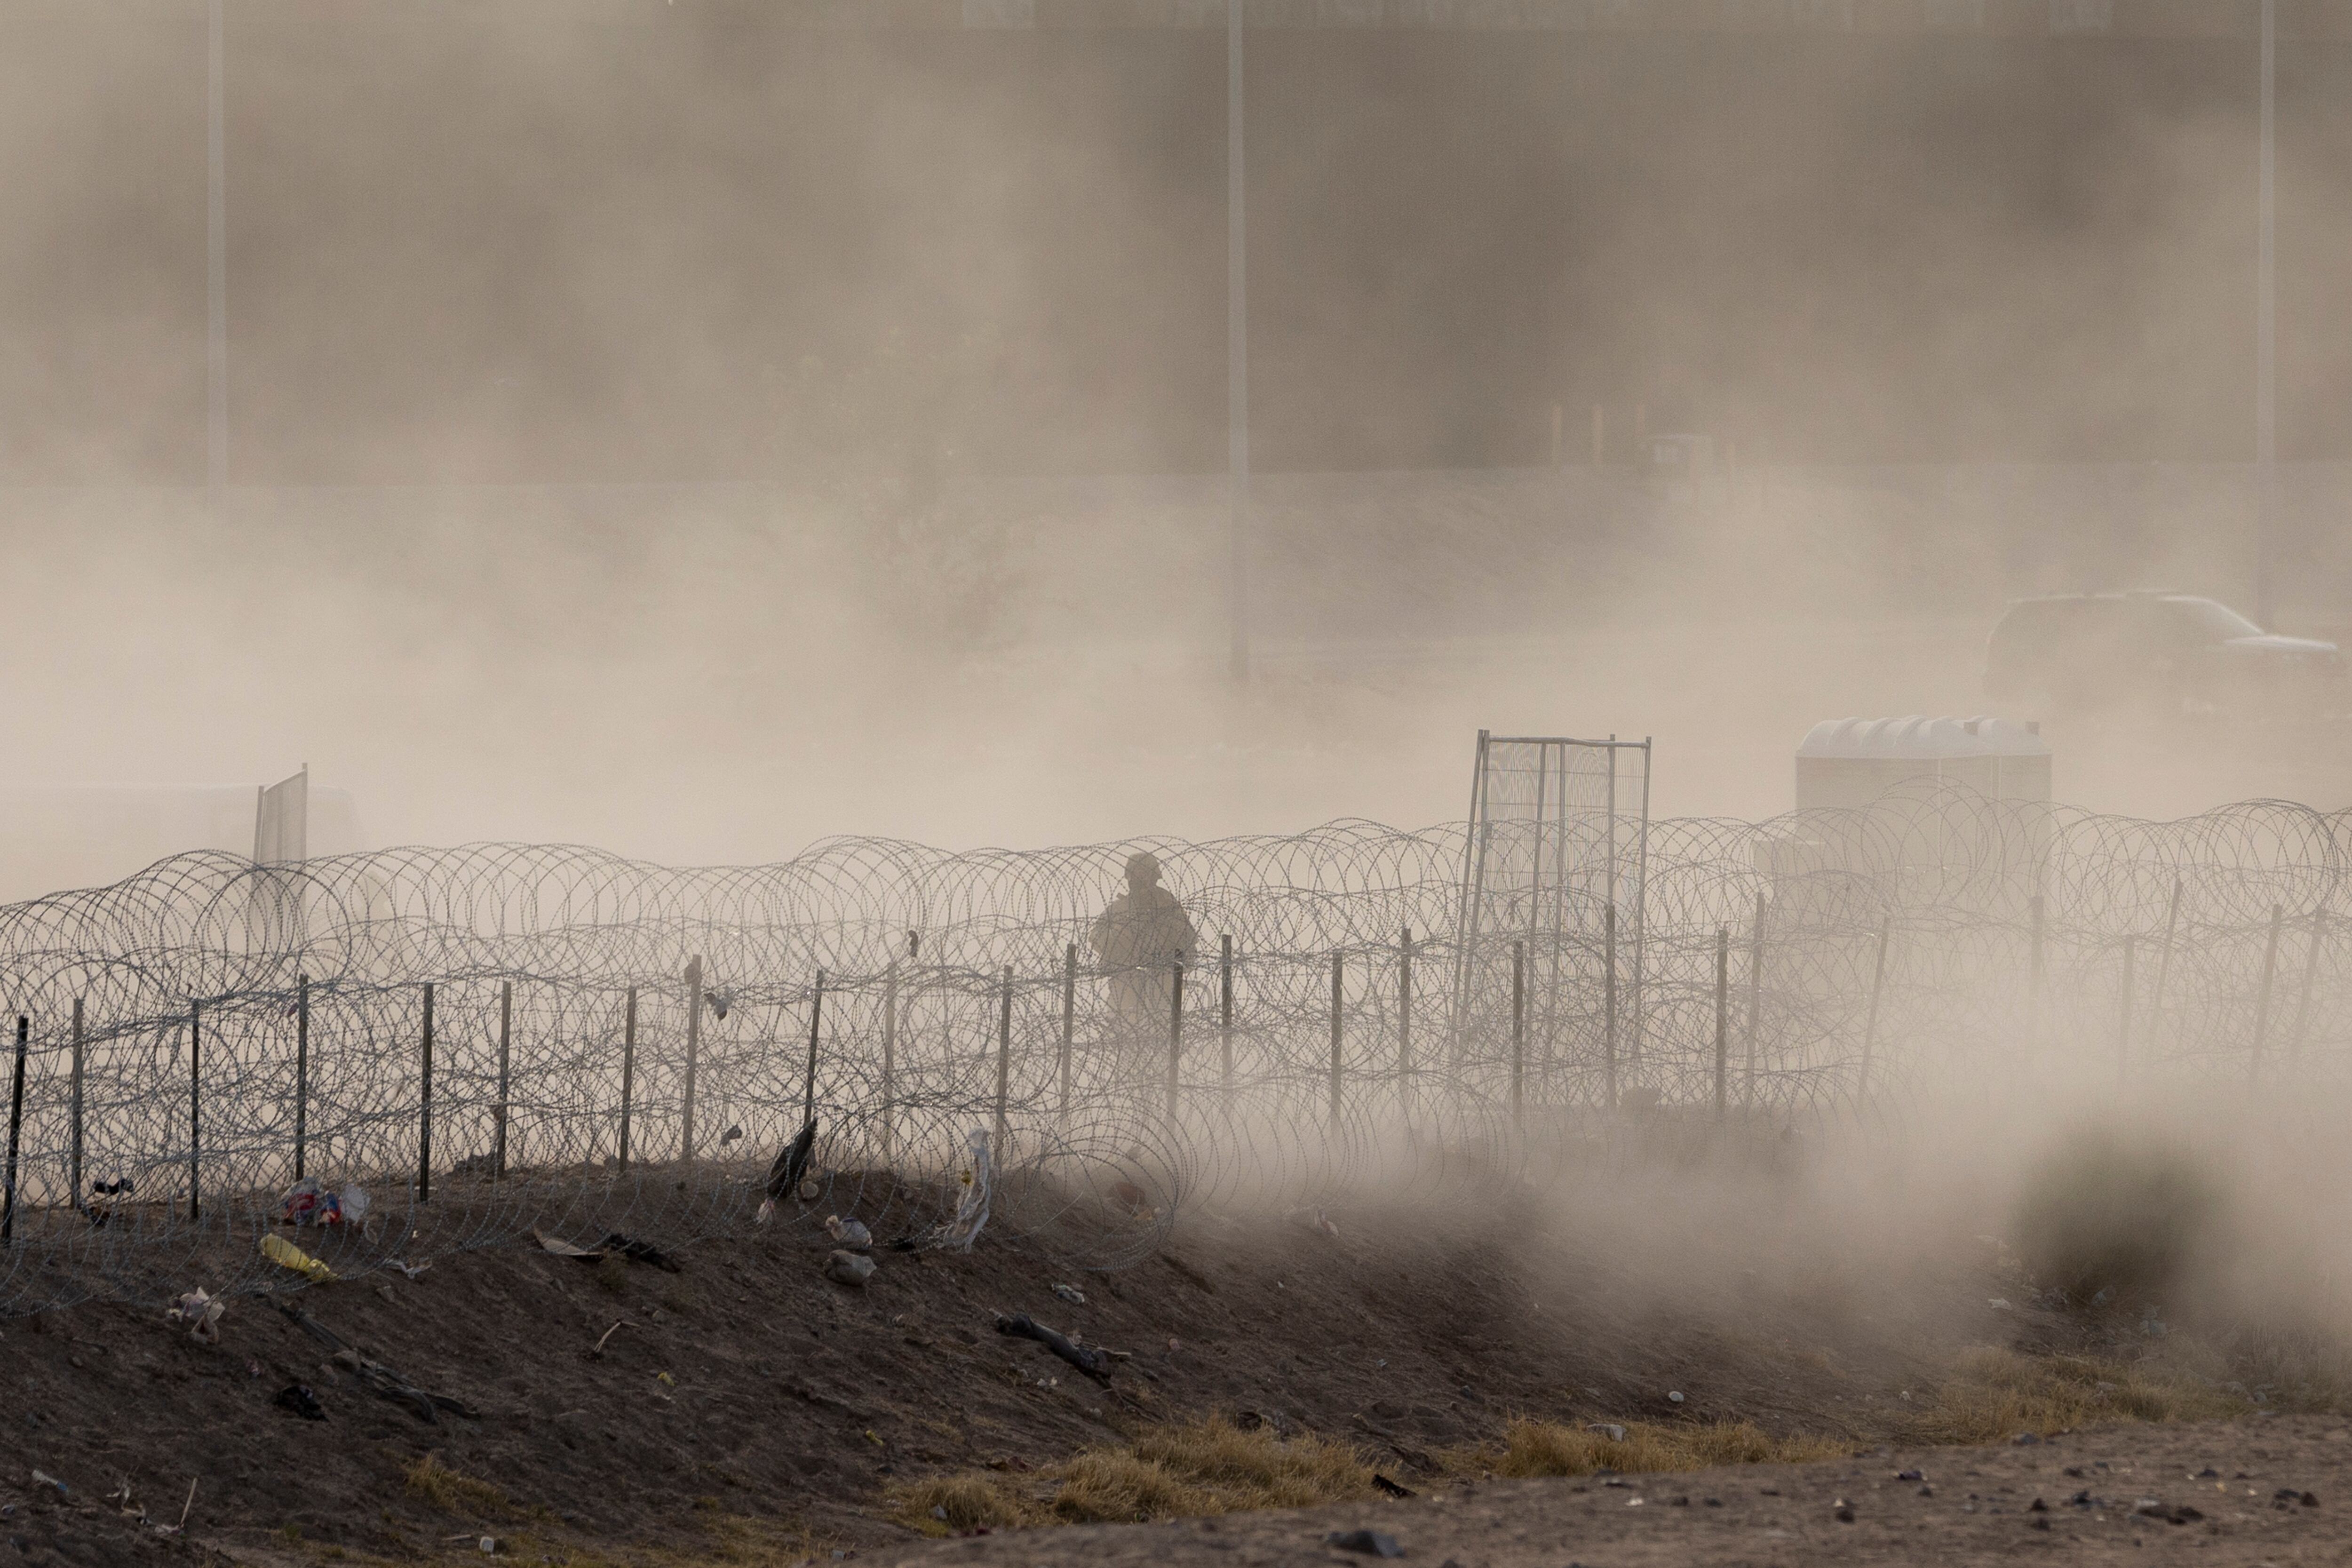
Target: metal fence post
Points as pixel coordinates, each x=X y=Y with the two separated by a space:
x=1003 y=1060
x=2263 y=999
x=506 y=1080
x=2302 y=997
x=1755 y=995
x=693 y=1051
x=2124 y=1015
x=628 y=1072
x=2033 y=969
x=1870 y=1019
x=1722 y=1014
x=816 y=1019
x=1518 y=1030
x=1609 y=1007
x=301 y=1072
x=425 y=1107
x=1337 y=1002
x=1225 y=1008
x=15 y=1121
x=73 y=1173
x=1175 y=1037
x=1404 y=1004
x=1069 y=1027
x=195 y=1106
x=890 y=1063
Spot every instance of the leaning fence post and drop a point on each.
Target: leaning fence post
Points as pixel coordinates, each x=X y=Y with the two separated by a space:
x=693 y=1050
x=15 y=1120
x=1518 y=1030
x=2302 y=998
x=74 y=1174
x=1003 y=1060
x=628 y=1071
x=1608 y=1006
x=1722 y=1014
x=1870 y=1019
x=1175 y=1037
x=2124 y=1015
x=301 y=1073
x=506 y=1060
x=1224 y=1008
x=890 y=1062
x=1069 y=1026
x=817 y=1017
x=1755 y=994
x=196 y=1105
x=425 y=1107
x=1337 y=999
x=2263 y=999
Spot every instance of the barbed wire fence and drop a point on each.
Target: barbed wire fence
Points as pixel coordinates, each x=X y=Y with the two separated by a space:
x=500 y=1039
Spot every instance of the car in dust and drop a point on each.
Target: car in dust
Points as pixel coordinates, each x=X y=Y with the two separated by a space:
x=2162 y=652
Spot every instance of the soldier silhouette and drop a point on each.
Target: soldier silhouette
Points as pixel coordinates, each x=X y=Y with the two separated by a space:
x=1139 y=939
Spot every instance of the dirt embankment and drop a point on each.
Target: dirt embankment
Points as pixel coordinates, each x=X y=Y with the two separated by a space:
x=747 y=1404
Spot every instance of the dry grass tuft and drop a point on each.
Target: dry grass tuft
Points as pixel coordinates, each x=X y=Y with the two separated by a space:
x=1182 y=1469
x=452 y=1491
x=1994 y=1394
x=1548 y=1448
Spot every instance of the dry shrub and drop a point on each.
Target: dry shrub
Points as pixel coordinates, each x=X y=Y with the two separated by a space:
x=1185 y=1468
x=1548 y=1448
x=1994 y=1394
x=452 y=1491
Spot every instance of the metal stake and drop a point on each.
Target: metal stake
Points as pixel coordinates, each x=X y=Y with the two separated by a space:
x=1518 y=1030
x=2262 y=1002
x=74 y=1172
x=693 y=1050
x=2302 y=997
x=2124 y=1016
x=1337 y=995
x=1069 y=1025
x=1755 y=992
x=301 y=1071
x=498 y=1120
x=1722 y=1013
x=1175 y=1035
x=2164 y=962
x=816 y=1014
x=425 y=1107
x=1608 y=1005
x=196 y=1105
x=890 y=1062
x=1004 y=1059
x=1224 y=1008
x=1870 y=1020
x=15 y=1121
x=628 y=1072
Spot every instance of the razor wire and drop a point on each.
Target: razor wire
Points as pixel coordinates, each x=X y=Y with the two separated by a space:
x=200 y=1034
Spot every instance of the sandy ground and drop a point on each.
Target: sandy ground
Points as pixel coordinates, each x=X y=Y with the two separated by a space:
x=2208 y=1493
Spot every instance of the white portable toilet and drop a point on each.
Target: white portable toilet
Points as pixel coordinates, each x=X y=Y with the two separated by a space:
x=1852 y=762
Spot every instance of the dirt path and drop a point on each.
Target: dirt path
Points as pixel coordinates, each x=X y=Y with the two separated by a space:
x=2218 y=1487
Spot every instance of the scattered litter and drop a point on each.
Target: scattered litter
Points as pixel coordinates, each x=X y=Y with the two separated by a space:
x=104 y=1196
x=563 y=1249
x=971 y=1207
x=1072 y=1294
x=1843 y=1513
x=286 y=1254
x=791 y=1164
x=849 y=1233
x=312 y=1202
x=297 y=1398
x=384 y=1291
x=41 y=1479
x=640 y=1252
x=2026 y=1440
x=202 y=1314
x=845 y=1267
x=1675 y=1397
x=1381 y=1483
x=596 y=1351
x=252 y=1367
x=666 y=1380
x=1998 y=1303
x=1174 y=1343
x=1910 y=1475
x=733 y=1134
x=490 y=1543
x=811 y=1189
x=1090 y=1361
x=1370 y=1542
x=939 y=1512
x=381 y=1380
x=411 y=1272
x=1609 y=1429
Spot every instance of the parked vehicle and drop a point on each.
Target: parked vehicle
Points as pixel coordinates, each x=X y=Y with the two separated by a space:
x=2170 y=652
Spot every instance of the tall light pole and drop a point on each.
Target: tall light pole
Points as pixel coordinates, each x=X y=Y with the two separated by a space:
x=1237 y=349
x=216 y=270
x=2266 y=335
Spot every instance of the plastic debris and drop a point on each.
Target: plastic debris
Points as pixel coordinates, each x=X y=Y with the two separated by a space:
x=1370 y=1542
x=849 y=1233
x=1072 y=1294
x=972 y=1206
x=490 y=1543
x=811 y=1190
x=844 y=1267
x=297 y=1398
x=563 y=1249
x=202 y=1314
x=406 y=1270
x=767 y=1212
x=731 y=1135
x=310 y=1202
x=286 y=1254
x=1675 y=1397
x=1609 y=1429
x=791 y=1163
x=40 y=1480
